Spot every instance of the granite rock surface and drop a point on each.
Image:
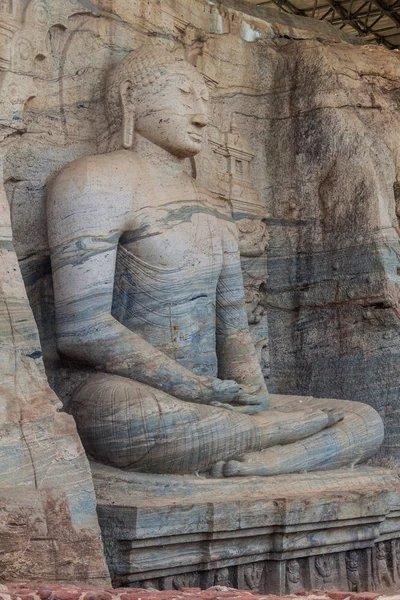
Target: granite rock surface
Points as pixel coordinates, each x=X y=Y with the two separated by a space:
x=320 y=111
x=48 y=519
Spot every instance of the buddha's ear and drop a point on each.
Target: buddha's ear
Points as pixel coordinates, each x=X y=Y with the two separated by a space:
x=128 y=113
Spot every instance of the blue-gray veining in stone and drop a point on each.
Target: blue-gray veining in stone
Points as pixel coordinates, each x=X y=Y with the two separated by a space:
x=149 y=291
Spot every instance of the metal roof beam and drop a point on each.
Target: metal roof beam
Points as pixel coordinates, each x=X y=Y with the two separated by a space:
x=372 y=14
x=387 y=11
x=357 y=19
x=376 y=21
x=360 y=9
x=330 y=9
x=362 y=30
x=345 y=16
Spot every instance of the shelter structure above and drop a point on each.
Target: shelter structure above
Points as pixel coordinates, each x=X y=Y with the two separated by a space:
x=373 y=20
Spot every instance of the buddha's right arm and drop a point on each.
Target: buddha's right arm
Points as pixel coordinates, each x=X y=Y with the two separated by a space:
x=103 y=342
x=109 y=346
x=87 y=332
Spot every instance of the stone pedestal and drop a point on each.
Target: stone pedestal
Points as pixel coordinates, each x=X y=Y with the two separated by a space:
x=326 y=530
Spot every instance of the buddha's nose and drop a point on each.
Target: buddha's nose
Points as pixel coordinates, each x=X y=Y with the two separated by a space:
x=200 y=119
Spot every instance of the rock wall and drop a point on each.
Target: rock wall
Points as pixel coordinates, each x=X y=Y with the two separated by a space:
x=48 y=522
x=319 y=112
x=333 y=292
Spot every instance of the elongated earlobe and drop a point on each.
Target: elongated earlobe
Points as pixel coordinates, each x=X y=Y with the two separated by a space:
x=128 y=128
x=128 y=115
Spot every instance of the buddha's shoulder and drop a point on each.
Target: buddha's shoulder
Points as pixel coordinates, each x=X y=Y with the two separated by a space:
x=100 y=171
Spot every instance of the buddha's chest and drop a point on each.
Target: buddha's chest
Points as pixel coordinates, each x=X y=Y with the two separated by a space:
x=180 y=247
x=181 y=231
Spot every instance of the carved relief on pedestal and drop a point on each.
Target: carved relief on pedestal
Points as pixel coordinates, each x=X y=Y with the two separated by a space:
x=382 y=576
x=293 y=576
x=353 y=572
x=185 y=580
x=396 y=559
x=223 y=577
x=253 y=577
x=324 y=566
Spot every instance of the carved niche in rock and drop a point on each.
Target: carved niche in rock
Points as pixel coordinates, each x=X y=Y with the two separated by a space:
x=149 y=292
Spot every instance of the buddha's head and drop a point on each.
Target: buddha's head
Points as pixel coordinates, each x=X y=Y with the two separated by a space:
x=161 y=97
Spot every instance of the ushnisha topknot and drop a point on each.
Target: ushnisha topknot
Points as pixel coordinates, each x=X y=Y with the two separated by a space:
x=142 y=67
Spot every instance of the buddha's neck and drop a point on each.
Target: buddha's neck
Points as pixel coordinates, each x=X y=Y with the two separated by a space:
x=160 y=158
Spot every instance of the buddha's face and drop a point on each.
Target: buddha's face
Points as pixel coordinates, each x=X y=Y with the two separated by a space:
x=172 y=112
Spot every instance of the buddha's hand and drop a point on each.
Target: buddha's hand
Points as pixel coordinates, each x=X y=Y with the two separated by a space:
x=230 y=395
x=217 y=391
x=252 y=399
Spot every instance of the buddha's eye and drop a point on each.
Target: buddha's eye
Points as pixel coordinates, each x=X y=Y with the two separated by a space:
x=204 y=95
x=185 y=89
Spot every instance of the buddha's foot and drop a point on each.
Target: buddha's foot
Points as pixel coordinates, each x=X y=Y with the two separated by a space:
x=307 y=454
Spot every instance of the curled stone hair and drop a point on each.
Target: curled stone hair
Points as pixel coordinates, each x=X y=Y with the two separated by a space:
x=142 y=67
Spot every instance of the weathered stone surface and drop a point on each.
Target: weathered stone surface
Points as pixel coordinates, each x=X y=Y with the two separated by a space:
x=148 y=289
x=333 y=530
x=47 y=505
x=333 y=288
x=311 y=105
x=278 y=79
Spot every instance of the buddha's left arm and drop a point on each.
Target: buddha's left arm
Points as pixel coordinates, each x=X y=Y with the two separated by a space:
x=237 y=357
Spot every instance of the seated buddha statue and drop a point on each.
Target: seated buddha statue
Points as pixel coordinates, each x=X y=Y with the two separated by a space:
x=149 y=293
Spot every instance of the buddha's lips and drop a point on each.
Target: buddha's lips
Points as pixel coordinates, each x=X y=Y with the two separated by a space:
x=195 y=136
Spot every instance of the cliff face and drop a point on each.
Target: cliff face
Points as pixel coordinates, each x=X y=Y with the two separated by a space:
x=320 y=116
x=334 y=270
x=48 y=525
